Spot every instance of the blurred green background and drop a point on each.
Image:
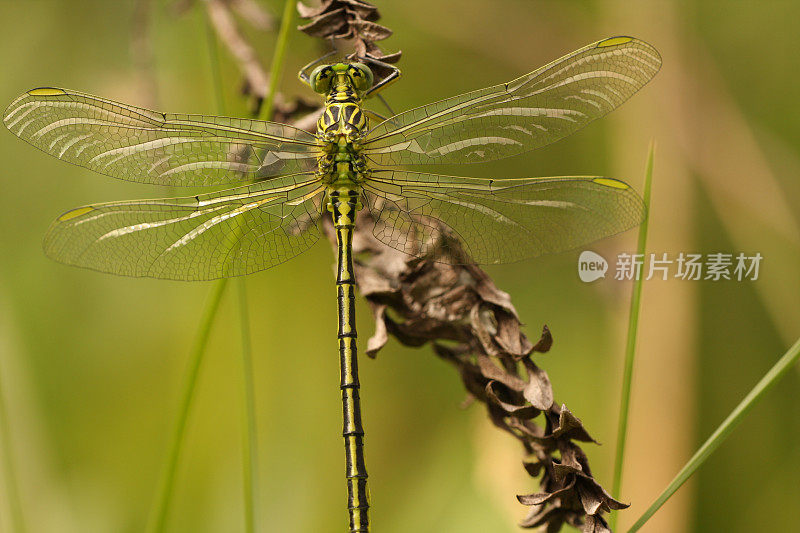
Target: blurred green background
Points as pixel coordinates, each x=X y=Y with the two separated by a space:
x=91 y=365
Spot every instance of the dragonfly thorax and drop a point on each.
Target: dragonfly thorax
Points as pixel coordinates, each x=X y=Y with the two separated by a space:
x=343 y=124
x=344 y=85
x=342 y=118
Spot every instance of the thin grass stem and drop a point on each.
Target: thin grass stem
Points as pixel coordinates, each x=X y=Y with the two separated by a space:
x=721 y=433
x=167 y=485
x=278 y=58
x=630 y=347
x=249 y=441
x=166 y=488
x=249 y=437
x=216 y=70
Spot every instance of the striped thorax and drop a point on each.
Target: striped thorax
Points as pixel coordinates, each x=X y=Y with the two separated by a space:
x=342 y=125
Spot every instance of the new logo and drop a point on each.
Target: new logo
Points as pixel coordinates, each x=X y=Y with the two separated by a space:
x=591 y=266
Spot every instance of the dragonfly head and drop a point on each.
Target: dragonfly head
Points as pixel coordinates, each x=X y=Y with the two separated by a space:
x=340 y=77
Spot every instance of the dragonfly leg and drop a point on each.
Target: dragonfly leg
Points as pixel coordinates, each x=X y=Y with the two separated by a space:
x=393 y=76
x=324 y=165
x=344 y=204
x=373 y=115
x=303 y=74
x=386 y=104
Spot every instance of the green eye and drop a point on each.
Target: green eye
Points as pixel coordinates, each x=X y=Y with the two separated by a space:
x=320 y=79
x=361 y=76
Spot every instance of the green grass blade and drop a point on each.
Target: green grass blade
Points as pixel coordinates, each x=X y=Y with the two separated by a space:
x=249 y=438
x=276 y=68
x=721 y=433
x=164 y=498
x=249 y=441
x=630 y=347
x=216 y=71
x=166 y=487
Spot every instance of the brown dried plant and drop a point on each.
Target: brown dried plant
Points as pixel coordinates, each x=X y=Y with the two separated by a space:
x=350 y=25
x=473 y=325
x=222 y=14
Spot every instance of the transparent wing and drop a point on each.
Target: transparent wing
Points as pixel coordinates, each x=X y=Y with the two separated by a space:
x=527 y=113
x=136 y=144
x=230 y=233
x=496 y=221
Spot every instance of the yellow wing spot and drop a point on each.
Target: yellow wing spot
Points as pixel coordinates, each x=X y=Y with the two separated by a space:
x=46 y=91
x=613 y=41
x=608 y=182
x=75 y=213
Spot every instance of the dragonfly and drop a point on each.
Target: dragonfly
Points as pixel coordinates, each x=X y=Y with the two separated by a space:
x=283 y=181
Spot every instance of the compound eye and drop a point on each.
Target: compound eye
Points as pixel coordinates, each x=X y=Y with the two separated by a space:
x=361 y=76
x=320 y=79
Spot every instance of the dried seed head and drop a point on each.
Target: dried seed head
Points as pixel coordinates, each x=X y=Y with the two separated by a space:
x=351 y=25
x=473 y=325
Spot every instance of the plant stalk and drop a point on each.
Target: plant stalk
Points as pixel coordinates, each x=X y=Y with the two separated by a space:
x=167 y=485
x=630 y=347
x=721 y=433
x=278 y=58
